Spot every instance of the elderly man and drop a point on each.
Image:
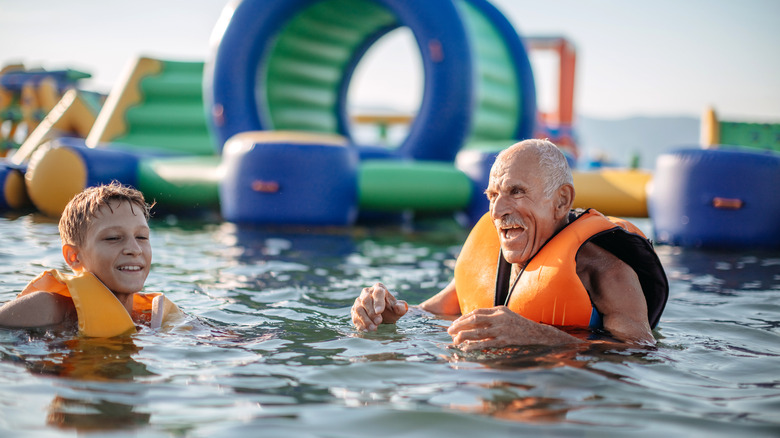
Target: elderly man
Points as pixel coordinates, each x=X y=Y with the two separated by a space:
x=532 y=265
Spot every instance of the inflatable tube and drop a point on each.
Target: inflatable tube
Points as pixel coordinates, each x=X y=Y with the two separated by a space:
x=289 y=178
x=177 y=183
x=14 y=193
x=286 y=65
x=61 y=168
x=716 y=198
x=397 y=186
x=614 y=192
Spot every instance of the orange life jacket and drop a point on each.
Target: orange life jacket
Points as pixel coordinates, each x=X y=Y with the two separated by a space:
x=100 y=313
x=549 y=290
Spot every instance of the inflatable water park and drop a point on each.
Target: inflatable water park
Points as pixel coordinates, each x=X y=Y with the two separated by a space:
x=260 y=131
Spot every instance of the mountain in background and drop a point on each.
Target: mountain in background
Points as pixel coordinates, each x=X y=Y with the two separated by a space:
x=616 y=141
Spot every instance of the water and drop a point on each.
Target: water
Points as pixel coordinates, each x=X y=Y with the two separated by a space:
x=271 y=351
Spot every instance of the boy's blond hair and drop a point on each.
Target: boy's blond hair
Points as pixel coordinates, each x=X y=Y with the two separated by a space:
x=80 y=211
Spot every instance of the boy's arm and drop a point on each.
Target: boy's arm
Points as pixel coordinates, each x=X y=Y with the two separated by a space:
x=38 y=309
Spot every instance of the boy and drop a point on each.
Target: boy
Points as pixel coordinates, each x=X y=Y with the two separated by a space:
x=105 y=241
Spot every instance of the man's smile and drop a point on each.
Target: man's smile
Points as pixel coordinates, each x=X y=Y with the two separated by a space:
x=510 y=230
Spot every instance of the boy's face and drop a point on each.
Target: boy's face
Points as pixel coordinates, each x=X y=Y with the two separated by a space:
x=116 y=248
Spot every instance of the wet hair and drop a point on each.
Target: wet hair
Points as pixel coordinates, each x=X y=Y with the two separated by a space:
x=84 y=207
x=552 y=162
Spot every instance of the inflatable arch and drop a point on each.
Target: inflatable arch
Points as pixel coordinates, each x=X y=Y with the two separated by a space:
x=286 y=65
x=274 y=97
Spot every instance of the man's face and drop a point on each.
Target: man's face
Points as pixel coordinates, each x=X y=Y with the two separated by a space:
x=116 y=248
x=524 y=217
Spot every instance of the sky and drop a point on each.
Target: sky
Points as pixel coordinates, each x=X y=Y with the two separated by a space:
x=634 y=58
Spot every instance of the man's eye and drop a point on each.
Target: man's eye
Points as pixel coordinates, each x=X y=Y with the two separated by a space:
x=142 y=237
x=112 y=238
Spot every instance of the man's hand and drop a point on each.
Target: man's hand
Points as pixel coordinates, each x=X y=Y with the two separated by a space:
x=376 y=305
x=500 y=327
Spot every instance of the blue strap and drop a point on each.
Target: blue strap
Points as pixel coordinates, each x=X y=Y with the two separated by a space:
x=595 y=320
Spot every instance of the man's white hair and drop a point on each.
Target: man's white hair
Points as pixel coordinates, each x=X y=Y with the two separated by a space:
x=552 y=163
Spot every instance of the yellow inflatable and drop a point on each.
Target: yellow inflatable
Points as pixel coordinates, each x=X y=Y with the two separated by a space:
x=614 y=192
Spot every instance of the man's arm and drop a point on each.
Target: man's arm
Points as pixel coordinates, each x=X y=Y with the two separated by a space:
x=501 y=327
x=38 y=309
x=617 y=294
x=493 y=326
x=443 y=303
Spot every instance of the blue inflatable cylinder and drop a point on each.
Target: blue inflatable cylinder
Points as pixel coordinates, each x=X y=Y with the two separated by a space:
x=716 y=198
x=476 y=164
x=103 y=164
x=13 y=194
x=289 y=178
x=61 y=168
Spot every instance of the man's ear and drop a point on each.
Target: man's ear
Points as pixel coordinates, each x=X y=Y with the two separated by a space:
x=71 y=255
x=564 y=201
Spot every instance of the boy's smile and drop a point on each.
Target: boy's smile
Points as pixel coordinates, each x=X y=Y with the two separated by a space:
x=116 y=248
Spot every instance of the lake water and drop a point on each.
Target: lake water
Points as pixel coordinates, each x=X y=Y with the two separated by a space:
x=271 y=350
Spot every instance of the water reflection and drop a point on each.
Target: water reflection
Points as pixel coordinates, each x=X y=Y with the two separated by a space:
x=93 y=359
x=94 y=415
x=282 y=258
x=80 y=362
x=527 y=387
x=507 y=405
x=264 y=243
x=722 y=271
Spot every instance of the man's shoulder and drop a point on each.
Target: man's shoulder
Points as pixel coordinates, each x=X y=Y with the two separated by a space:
x=594 y=260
